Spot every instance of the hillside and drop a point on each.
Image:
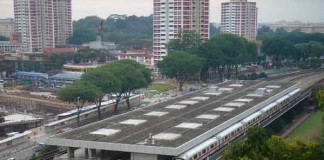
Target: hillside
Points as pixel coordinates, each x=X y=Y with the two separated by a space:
x=131 y=32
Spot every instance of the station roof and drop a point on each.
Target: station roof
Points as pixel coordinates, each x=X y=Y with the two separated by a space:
x=178 y=123
x=66 y=76
x=35 y=74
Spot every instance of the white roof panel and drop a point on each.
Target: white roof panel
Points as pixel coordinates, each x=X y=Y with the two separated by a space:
x=243 y=100
x=155 y=113
x=208 y=116
x=226 y=89
x=234 y=104
x=189 y=125
x=200 y=98
x=273 y=86
x=105 y=132
x=166 y=136
x=188 y=102
x=236 y=85
x=253 y=95
x=213 y=94
x=134 y=122
x=176 y=106
x=224 y=109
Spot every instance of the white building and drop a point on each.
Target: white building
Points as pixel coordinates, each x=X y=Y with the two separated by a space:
x=172 y=16
x=239 y=17
x=6 y=46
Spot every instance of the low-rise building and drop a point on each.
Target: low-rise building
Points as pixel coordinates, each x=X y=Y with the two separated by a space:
x=7 y=26
x=63 y=79
x=32 y=78
x=6 y=46
x=297 y=25
x=19 y=123
x=141 y=57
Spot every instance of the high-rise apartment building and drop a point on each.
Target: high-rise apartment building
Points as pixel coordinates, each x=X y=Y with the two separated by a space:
x=43 y=23
x=63 y=21
x=172 y=16
x=239 y=17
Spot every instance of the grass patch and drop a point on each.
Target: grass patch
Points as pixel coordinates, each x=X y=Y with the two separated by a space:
x=160 y=87
x=311 y=128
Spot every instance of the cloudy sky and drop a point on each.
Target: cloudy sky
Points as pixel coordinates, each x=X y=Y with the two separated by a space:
x=269 y=10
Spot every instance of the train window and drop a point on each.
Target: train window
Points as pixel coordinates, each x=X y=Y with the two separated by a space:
x=204 y=151
x=212 y=146
x=195 y=156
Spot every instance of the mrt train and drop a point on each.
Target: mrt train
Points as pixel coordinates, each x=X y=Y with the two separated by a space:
x=223 y=138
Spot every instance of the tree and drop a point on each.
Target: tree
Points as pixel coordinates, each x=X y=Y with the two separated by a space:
x=259 y=146
x=277 y=48
x=79 y=93
x=131 y=75
x=181 y=66
x=227 y=51
x=105 y=81
x=140 y=76
x=320 y=99
x=187 y=41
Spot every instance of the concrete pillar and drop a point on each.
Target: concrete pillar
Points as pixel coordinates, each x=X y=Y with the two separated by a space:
x=92 y=153
x=70 y=152
x=86 y=152
x=142 y=156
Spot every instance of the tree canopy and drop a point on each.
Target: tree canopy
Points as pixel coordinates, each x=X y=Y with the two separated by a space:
x=131 y=75
x=105 y=81
x=181 y=66
x=259 y=146
x=79 y=93
x=187 y=41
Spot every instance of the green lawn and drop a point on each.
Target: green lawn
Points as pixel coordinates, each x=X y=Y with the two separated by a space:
x=311 y=128
x=159 y=87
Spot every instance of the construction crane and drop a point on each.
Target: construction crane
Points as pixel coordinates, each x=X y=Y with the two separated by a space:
x=100 y=32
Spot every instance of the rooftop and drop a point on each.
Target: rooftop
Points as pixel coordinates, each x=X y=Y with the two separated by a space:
x=177 y=123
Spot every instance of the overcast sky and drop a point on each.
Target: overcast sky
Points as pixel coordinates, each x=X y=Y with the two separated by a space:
x=269 y=10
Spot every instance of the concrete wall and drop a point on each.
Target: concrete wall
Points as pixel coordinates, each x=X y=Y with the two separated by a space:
x=141 y=156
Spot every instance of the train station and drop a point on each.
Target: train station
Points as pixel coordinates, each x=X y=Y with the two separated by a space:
x=180 y=126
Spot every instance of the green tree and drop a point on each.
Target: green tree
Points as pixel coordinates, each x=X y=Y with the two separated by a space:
x=105 y=81
x=277 y=48
x=227 y=51
x=181 y=66
x=79 y=93
x=187 y=41
x=320 y=99
x=259 y=146
x=131 y=75
x=140 y=76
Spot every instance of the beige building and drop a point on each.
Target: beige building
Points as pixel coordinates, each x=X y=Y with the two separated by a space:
x=7 y=26
x=297 y=25
x=240 y=17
